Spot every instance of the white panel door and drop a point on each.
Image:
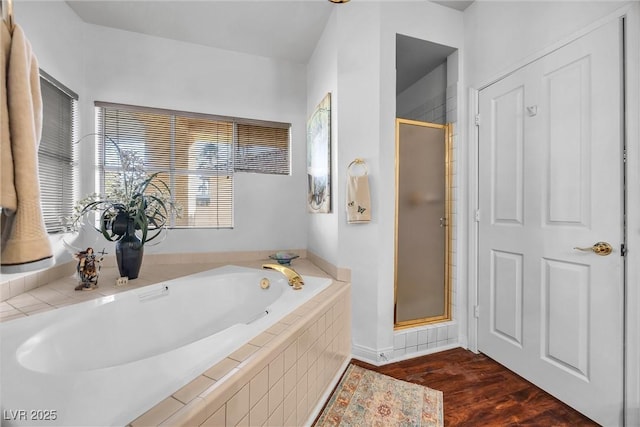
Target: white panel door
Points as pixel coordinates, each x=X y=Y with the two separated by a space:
x=550 y=180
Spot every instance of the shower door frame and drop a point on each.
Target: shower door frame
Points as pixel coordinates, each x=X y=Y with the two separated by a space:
x=447 y=312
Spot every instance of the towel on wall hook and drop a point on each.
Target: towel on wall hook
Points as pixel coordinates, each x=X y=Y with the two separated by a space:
x=358 y=195
x=25 y=242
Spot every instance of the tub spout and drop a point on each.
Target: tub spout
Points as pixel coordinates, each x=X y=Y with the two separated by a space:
x=294 y=278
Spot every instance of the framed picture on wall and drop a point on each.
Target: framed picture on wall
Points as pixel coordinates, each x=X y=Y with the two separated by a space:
x=319 y=158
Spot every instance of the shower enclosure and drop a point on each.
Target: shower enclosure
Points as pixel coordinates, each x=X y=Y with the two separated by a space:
x=423 y=215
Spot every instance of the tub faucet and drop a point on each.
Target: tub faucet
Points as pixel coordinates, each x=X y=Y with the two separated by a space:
x=294 y=278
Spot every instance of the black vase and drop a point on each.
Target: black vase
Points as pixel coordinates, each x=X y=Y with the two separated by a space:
x=129 y=252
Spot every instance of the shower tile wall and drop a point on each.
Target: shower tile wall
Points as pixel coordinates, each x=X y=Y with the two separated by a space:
x=432 y=111
x=424 y=340
x=452 y=116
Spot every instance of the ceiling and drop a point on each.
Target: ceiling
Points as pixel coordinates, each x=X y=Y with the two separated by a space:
x=286 y=30
x=281 y=29
x=460 y=5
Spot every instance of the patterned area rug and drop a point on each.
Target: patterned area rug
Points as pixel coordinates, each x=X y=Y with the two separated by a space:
x=367 y=398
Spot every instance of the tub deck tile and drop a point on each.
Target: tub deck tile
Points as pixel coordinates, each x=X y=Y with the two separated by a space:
x=47 y=294
x=277 y=328
x=244 y=352
x=64 y=285
x=262 y=339
x=193 y=389
x=23 y=300
x=5 y=306
x=36 y=308
x=221 y=369
x=290 y=319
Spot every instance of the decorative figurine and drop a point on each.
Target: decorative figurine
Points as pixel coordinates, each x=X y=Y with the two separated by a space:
x=88 y=268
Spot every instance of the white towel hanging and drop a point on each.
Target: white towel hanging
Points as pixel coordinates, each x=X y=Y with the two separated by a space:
x=358 y=195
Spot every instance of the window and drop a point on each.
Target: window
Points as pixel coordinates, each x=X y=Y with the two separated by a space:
x=194 y=153
x=262 y=149
x=56 y=161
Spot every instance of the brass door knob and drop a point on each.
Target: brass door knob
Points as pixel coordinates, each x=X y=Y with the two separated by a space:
x=600 y=248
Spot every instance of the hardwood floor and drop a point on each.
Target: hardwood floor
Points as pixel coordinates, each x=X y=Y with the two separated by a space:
x=480 y=392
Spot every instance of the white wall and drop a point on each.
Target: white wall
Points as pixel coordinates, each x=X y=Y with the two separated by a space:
x=358 y=137
x=322 y=77
x=365 y=123
x=123 y=67
x=130 y=68
x=55 y=33
x=498 y=34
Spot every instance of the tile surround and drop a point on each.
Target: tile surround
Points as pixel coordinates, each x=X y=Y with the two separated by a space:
x=181 y=264
x=54 y=287
x=282 y=380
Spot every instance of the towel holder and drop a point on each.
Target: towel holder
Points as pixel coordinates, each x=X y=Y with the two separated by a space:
x=358 y=161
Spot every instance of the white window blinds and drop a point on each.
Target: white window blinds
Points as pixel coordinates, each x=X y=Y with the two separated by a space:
x=192 y=153
x=261 y=148
x=56 y=161
x=196 y=155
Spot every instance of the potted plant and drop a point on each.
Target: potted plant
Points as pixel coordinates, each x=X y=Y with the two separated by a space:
x=134 y=211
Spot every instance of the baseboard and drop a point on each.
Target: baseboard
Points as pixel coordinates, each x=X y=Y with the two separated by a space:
x=372 y=356
x=423 y=353
x=384 y=357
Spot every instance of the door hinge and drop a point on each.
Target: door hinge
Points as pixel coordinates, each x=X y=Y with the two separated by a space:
x=477 y=215
x=476 y=311
x=624 y=156
x=623 y=250
x=477 y=120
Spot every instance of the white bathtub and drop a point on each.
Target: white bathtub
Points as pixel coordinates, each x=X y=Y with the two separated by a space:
x=107 y=361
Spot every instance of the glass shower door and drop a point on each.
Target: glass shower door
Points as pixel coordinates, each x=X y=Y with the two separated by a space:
x=422 y=223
